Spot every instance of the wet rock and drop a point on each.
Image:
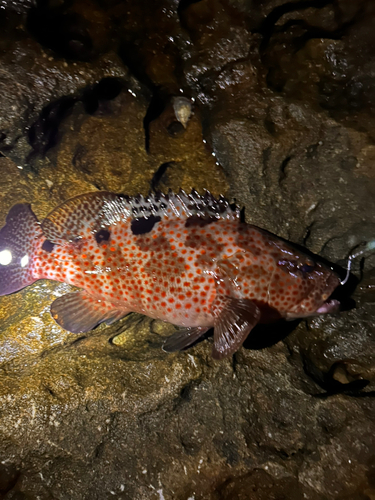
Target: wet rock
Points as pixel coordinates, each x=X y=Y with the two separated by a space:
x=30 y=78
x=284 y=99
x=218 y=40
x=281 y=171
x=62 y=388
x=108 y=149
x=190 y=160
x=152 y=43
x=79 y=30
x=316 y=55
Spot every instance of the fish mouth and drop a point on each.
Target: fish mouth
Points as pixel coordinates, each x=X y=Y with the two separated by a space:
x=330 y=306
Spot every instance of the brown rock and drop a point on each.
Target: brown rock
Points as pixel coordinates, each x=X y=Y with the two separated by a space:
x=284 y=98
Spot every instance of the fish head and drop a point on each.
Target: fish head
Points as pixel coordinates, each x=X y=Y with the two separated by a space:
x=302 y=286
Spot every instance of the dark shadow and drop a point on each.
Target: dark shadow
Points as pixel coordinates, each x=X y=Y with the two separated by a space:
x=77 y=341
x=129 y=53
x=267 y=27
x=353 y=391
x=263 y=336
x=183 y=5
x=9 y=475
x=330 y=385
x=155 y=108
x=158 y=175
x=106 y=90
x=66 y=33
x=44 y=132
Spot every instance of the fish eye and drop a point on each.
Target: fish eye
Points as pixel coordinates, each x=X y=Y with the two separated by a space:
x=307 y=267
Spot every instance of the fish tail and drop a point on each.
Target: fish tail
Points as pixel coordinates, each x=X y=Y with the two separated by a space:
x=17 y=243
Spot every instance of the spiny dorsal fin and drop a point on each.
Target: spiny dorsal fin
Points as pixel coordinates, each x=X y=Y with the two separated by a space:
x=92 y=211
x=186 y=205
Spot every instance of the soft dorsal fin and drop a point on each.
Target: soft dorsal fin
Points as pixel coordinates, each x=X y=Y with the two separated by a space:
x=92 y=211
x=88 y=212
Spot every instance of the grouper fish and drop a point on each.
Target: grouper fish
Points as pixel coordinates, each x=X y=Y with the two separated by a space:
x=182 y=258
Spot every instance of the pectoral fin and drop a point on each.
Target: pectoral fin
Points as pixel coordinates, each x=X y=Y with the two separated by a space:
x=234 y=319
x=183 y=338
x=80 y=312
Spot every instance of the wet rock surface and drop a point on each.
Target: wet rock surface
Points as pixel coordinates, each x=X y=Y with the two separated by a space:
x=271 y=104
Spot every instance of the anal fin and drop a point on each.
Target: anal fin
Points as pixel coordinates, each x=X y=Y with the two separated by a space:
x=80 y=312
x=183 y=337
x=234 y=320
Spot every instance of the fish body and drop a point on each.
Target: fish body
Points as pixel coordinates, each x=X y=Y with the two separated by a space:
x=185 y=259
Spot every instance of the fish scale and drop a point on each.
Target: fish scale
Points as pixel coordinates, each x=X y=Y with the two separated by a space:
x=185 y=259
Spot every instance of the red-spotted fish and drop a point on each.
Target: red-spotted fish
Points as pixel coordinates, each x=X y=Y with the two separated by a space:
x=185 y=259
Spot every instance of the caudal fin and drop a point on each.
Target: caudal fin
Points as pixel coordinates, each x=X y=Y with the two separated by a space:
x=17 y=240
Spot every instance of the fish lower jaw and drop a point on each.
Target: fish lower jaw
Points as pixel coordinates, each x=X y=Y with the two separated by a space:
x=329 y=307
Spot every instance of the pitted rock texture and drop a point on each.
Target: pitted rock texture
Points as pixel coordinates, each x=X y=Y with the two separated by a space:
x=281 y=120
